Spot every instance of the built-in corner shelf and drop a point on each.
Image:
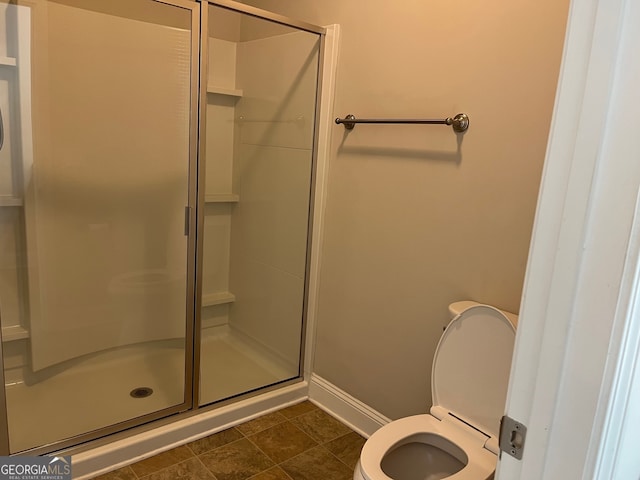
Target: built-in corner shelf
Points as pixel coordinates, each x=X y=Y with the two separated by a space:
x=8 y=61
x=8 y=201
x=230 y=92
x=14 y=332
x=219 y=298
x=221 y=198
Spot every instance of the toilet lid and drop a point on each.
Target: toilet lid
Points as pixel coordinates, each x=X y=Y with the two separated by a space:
x=471 y=367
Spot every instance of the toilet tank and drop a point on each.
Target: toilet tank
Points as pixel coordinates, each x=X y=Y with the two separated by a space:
x=456 y=308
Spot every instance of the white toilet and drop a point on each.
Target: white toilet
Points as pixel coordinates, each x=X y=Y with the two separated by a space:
x=458 y=440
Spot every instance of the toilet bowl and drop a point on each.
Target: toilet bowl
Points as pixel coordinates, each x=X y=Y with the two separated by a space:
x=458 y=438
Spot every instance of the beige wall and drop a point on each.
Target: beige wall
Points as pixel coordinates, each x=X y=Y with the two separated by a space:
x=417 y=218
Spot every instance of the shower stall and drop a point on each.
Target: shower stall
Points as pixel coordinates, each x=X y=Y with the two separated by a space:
x=157 y=169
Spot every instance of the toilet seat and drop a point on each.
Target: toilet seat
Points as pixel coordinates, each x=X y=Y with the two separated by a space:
x=469 y=382
x=480 y=463
x=470 y=372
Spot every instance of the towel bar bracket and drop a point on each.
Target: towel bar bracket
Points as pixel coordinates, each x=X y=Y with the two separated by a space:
x=348 y=125
x=459 y=123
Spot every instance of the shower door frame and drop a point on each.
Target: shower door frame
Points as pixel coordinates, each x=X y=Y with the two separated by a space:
x=190 y=257
x=204 y=70
x=197 y=131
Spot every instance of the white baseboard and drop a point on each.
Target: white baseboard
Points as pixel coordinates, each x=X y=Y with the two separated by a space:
x=349 y=410
x=123 y=452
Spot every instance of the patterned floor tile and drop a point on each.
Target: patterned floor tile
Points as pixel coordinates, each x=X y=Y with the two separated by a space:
x=282 y=441
x=306 y=442
x=191 y=469
x=347 y=448
x=275 y=473
x=320 y=426
x=124 y=473
x=236 y=461
x=214 y=441
x=261 y=423
x=317 y=464
x=298 y=409
x=161 y=461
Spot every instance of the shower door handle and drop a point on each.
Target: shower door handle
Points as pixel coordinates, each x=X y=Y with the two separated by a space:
x=1 y=130
x=187 y=221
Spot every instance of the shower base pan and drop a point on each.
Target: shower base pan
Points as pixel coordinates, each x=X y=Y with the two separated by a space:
x=110 y=387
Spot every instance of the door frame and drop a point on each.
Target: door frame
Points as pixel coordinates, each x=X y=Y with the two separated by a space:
x=577 y=346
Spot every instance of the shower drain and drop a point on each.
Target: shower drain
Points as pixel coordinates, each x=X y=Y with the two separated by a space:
x=141 y=392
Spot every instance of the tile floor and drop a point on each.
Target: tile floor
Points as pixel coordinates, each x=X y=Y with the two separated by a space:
x=300 y=442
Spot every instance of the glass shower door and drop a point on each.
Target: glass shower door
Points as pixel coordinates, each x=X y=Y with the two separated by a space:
x=260 y=120
x=97 y=100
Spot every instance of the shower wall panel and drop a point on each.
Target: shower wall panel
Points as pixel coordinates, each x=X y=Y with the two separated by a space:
x=219 y=196
x=105 y=201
